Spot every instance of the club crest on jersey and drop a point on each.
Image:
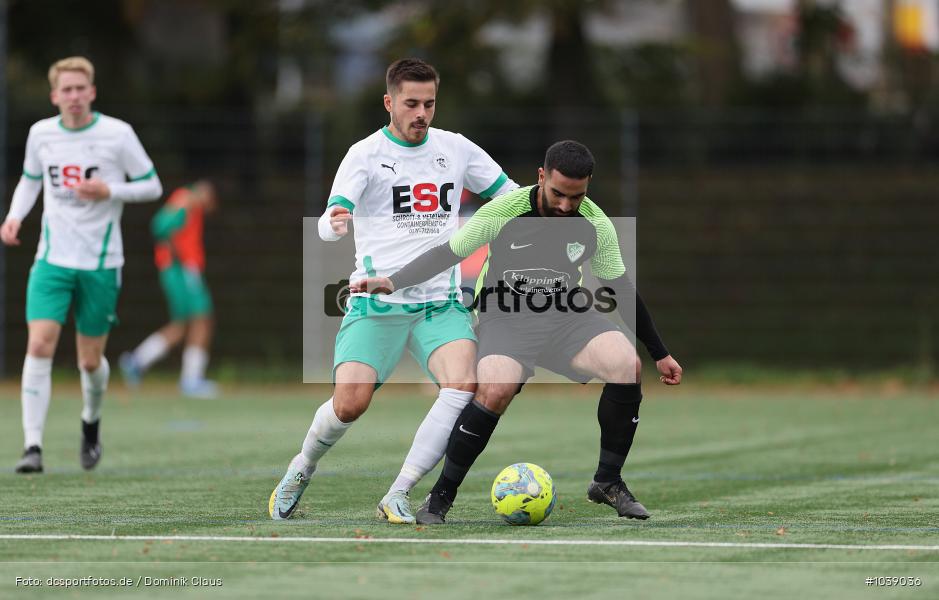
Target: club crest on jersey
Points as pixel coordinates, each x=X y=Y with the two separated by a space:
x=441 y=162
x=575 y=250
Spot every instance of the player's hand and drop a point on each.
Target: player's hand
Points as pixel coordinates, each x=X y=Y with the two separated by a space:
x=93 y=189
x=372 y=285
x=9 y=232
x=670 y=370
x=339 y=220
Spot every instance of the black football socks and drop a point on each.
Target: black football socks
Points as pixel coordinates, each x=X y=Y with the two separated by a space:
x=90 y=431
x=469 y=437
x=618 y=415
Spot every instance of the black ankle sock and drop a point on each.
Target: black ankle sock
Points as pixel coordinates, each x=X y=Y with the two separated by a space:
x=618 y=415
x=90 y=431
x=469 y=437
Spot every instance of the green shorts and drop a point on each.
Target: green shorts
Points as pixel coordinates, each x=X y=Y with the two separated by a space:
x=186 y=292
x=375 y=332
x=52 y=290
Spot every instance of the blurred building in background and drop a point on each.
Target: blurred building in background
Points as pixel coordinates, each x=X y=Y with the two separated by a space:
x=779 y=153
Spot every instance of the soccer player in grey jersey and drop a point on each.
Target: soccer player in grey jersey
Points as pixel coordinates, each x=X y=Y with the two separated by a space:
x=537 y=260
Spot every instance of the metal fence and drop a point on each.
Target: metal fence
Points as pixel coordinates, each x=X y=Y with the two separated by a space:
x=769 y=238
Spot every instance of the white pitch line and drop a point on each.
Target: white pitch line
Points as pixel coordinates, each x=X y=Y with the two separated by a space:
x=458 y=542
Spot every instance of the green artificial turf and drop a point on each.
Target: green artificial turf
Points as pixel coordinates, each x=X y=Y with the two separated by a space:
x=738 y=465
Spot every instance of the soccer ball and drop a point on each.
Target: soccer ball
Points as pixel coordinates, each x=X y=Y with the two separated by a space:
x=523 y=494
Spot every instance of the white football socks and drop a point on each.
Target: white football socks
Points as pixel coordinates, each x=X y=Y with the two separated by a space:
x=430 y=441
x=94 y=384
x=36 y=390
x=195 y=360
x=323 y=434
x=151 y=350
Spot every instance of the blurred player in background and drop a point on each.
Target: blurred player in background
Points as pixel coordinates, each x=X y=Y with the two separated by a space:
x=413 y=174
x=89 y=165
x=180 y=258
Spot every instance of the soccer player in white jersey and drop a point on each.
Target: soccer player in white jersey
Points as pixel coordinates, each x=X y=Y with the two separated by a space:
x=401 y=189
x=89 y=165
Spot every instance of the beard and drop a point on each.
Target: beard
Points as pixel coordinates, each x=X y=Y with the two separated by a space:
x=406 y=129
x=546 y=209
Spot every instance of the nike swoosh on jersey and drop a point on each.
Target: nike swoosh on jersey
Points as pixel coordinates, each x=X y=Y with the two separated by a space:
x=514 y=247
x=635 y=419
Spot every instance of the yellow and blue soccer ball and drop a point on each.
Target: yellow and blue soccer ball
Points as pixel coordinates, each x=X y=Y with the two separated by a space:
x=523 y=494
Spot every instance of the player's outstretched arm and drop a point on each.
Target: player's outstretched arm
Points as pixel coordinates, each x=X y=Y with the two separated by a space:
x=434 y=261
x=607 y=265
x=482 y=228
x=372 y=285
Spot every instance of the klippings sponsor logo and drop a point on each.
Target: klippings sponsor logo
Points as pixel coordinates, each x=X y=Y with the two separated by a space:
x=536 y=281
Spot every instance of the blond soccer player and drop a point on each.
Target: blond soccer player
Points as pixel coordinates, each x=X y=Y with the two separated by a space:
x=88 y=166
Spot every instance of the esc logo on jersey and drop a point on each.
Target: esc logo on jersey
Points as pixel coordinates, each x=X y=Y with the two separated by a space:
x=424 y=197
x=69 y=175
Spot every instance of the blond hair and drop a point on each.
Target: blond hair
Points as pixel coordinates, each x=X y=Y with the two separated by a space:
x=72 y=63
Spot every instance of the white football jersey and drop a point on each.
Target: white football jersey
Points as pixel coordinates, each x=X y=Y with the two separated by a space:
x=83 y=234
x=405 y=200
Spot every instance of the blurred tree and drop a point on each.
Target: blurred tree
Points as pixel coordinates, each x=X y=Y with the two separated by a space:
x=714 y=51
x=816 y=83
x=42 y=32
x=447 y=34
x=570 y=83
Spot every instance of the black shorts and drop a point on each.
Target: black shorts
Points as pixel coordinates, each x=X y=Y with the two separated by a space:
x=551 y=341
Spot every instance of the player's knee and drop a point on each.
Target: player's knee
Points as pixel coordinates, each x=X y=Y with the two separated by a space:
x=349 y=411
x=495 y=397
x=352 y=405
x=625 y=368
x=41 y=346
x=89 y=363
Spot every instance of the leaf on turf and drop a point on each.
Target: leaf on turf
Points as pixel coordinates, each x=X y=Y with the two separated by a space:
x=781 y=531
